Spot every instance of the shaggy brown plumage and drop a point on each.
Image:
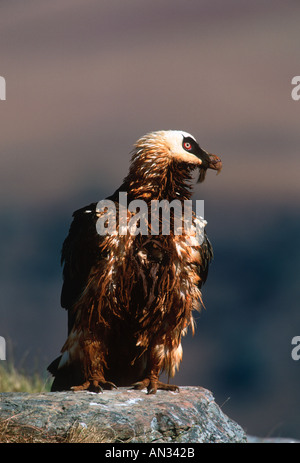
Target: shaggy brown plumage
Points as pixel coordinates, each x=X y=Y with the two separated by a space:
x=130 y=298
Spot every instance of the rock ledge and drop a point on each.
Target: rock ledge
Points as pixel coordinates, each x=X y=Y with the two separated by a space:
x=122 y=415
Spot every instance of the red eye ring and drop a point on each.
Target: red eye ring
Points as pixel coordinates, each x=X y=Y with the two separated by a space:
x=187 y=146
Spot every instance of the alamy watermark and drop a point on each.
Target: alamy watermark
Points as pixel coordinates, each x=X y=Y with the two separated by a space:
x=2 y=348
x=159 y=215
x=2 y=88
x=296 y=89
x=295 y=353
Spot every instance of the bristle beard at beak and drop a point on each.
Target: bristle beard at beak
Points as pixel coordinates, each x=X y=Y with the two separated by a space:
x=202 y=174
x=214 y=163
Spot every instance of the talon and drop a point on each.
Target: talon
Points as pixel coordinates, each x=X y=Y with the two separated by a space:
x=152 y=390
x=167 y=387
x=111 y=385
x=94 y=385
x=139 y=385
x=82 y=387
x=154 y=385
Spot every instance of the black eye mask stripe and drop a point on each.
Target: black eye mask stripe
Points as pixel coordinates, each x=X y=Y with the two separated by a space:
x=196 y=150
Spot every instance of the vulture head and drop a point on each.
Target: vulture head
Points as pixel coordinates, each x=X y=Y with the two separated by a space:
x=176 y=147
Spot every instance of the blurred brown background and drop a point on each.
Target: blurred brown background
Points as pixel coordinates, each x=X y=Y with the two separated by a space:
x=85 y=79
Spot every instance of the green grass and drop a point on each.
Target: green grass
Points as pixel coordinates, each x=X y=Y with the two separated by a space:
x=16 y=380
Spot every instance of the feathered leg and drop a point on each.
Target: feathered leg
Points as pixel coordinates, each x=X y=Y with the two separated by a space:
x=94 y=364
x=151 y=380
x=81 y=366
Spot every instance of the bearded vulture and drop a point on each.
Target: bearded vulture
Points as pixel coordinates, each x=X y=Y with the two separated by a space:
x=130 y=296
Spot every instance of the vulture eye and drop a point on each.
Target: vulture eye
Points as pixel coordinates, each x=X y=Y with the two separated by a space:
x=187 y=146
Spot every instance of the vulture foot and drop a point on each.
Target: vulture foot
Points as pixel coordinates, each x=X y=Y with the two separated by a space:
x=153 y=385
x=94 y=385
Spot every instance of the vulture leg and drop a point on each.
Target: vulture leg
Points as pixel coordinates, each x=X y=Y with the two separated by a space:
x=94 y=362
x=151 y=381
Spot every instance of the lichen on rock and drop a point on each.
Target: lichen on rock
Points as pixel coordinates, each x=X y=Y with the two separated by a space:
x=122 y=415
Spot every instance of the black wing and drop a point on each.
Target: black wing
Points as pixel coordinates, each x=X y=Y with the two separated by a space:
x=80 y=253
x=206 y=252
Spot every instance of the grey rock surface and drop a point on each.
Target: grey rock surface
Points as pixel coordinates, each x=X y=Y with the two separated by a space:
x=123 y=415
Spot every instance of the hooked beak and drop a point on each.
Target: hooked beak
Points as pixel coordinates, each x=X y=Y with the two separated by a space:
x=214 y=162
